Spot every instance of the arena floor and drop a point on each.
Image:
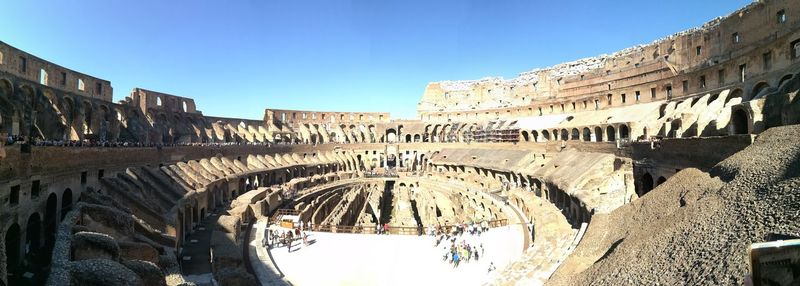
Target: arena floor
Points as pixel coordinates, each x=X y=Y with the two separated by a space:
x=362 y=259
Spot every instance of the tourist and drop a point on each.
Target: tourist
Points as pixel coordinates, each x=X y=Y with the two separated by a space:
x=491 y=267
x=455 y=260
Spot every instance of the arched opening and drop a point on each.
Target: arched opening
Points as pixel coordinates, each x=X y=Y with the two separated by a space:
x=587 y=134
x=784 y=79
x=576 y=135
x=660 y=181
x=408 y=138
x=33 y=235
x=12 y=251
x=6 y=89
x=675 y=128
x=50 y=218
x=66 y=202
x=564 y=135
x=739 y=122
x=757 y=89
x=391 y=135
x=417 y=138
x=623 y=131
x=735 y=94
x=598 y=134
x=69 y=115
x=546 y=135
x=611 y=133
x=712 y=98
x=87 y=118
x=525 y=136
x=647 y=184
x=445 y=133
x=534 y=136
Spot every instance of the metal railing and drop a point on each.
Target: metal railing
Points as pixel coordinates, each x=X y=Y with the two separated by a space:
x=401 y=230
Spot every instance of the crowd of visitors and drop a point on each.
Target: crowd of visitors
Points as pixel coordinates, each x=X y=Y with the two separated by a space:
x=460 y=250
x=21 y=140
x=475 y=228
x=285 y=237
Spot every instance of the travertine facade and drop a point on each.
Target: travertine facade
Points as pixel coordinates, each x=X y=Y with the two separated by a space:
x=100 y=193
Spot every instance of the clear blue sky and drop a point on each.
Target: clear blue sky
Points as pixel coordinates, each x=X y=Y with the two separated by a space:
x=236 y=58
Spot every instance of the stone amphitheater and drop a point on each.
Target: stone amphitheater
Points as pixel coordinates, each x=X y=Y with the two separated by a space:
x=656 y=165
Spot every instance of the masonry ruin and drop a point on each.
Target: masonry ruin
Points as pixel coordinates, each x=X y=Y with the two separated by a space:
x=657 y=149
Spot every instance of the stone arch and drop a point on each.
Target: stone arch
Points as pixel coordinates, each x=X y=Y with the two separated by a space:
x=757 y=89
x=675 y=128
x=646 y=183
x=13 y=240
x=426 y=135
x=88 y=117
x=587 y=134
x=6 y=104
x=575 y=134
x=784 y=79
x=525 y=136
x=68 y=111
x=712 y=98
x=435 y=133
x=660 y=181
x=33 y=234
x=66 y=202
x=534 y=136
x=24 y=117
x=598 y=134
x=408 y=138
x=391 y=135
x=546 y=135
x=611 y=133
x=51 y=219
x=623 y=131
x=417 y=138
x=27 y=94
x=737 y=93
x=739 y=122
x=564 y=135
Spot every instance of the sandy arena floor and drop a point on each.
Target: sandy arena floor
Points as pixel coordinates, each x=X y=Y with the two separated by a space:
x=362 y=259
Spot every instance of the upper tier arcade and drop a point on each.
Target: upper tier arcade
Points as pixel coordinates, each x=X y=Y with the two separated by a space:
x=24 y=65
x=742 y=50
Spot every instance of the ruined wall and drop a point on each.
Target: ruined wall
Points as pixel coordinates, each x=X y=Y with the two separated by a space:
x=35 y=69
x=689 y=62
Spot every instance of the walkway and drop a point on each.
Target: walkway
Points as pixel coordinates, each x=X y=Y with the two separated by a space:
x=523 y=224
x=261 y=260
x=195 y=259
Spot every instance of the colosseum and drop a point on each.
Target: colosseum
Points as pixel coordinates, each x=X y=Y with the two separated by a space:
x=660 y=164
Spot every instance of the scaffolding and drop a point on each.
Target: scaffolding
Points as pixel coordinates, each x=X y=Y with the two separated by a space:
x=495 y=132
